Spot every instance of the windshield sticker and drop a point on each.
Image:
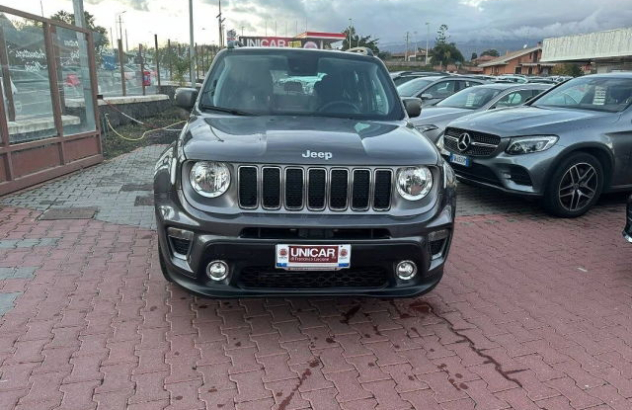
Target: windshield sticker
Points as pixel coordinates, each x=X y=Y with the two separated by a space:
x=600 y=96
x=471 y=100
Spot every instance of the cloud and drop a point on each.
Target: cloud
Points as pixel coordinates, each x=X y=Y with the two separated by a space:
x=134 y=4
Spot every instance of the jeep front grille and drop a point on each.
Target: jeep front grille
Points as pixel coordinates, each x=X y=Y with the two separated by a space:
x=314 y=188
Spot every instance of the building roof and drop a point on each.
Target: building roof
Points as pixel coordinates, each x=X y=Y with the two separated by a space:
x=319 y=35
x=503 y=60
x=600 y=45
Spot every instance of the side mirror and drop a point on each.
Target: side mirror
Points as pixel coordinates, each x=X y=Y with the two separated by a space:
x=185 y=97
x=427 y=96
x=412 y=106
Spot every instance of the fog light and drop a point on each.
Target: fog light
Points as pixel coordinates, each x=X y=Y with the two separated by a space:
x=406 y=270
x=217 y=270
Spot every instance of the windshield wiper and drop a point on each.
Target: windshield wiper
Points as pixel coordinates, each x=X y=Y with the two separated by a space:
x=226 y=110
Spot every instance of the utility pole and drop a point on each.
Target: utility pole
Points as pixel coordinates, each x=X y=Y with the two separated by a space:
x=42 y=7
x=77 y=6
x=126 y=43
x=427 y=39
x=191 y=43
x=349 y=36
x=220 y=21
x=406 y=54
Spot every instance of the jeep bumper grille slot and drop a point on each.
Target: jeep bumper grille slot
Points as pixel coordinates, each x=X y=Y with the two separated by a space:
x=271 y=188
x=339 y=186
x=361 y=189
x=294 y=185
x=314 y=189
x=383 y=187
x=248 y=187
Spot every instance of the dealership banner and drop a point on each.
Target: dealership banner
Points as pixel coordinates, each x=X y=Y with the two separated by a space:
x=278 y=42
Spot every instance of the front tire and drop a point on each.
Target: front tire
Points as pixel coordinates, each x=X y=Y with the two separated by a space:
x=575 y=186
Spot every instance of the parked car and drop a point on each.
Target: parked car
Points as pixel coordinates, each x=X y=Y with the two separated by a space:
x=407 y=76
x=627 y=232
x=327 y=192
x=33 y=91
x=520 y=79
x=431 y=90
x=566 y=147
x=433 y=120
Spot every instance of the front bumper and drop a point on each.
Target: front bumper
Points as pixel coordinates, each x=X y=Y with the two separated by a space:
x=515 y=174
x=252 y=259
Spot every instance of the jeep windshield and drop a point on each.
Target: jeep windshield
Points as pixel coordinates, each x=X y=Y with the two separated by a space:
x=300 y=82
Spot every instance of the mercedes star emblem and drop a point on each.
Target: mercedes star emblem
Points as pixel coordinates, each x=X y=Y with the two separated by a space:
x=464 y=142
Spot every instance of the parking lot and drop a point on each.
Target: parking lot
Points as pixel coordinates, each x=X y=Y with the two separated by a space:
x=533 y=313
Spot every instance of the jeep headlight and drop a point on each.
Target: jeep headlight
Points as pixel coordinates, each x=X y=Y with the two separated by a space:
x=414 y=183
x=527 y=145
x=210 y=179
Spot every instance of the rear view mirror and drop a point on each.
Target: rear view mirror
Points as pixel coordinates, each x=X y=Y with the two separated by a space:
x=412 y=106
x=185 y=97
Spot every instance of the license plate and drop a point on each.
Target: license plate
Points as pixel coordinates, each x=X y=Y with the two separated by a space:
x=313 y=257
x=460 y=160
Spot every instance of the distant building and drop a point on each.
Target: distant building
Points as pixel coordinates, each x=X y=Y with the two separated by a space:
x=526 y=61
x=602 y=52
x=483 y=59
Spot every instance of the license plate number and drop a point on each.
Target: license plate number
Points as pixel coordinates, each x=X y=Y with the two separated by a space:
x=313 y=257
x=460 y=160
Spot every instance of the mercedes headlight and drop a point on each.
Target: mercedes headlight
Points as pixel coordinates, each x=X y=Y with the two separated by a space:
x=527 y=145
x=210 y=179
x=425 y=127
x=414 y=183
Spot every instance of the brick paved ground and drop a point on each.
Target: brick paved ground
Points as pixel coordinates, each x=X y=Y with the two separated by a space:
x=533 y=313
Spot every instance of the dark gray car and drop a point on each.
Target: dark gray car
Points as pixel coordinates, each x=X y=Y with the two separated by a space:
x=431 y=90
x=274 y=188
x=433 y=120
x=567 y=146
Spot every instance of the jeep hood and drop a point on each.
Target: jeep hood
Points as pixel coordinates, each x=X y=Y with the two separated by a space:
x=286 y=140
x=530 y=121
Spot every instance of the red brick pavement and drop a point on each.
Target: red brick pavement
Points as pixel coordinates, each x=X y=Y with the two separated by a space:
x=532 y=313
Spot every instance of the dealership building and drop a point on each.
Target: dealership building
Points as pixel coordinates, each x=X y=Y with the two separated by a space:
x=600 y=52
x=308 y=39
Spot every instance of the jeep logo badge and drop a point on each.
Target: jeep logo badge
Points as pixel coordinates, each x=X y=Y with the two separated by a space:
x=313 y=154
x=464 y=142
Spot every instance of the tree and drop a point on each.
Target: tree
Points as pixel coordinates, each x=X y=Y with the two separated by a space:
x=358 y=41
x=474 y=57
x=445 y=53
x=574 y=70
x=100 y=33
x=492 y=52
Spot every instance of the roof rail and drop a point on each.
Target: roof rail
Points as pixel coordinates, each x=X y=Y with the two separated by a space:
x=361 y=50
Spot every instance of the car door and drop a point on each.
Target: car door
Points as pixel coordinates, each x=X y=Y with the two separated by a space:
x=439 y=91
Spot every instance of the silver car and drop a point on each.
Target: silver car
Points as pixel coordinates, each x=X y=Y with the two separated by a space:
x=433 y=120
x=567 y=146
x=431 y=90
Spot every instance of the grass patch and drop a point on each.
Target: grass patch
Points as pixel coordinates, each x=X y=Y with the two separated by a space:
x=113 y=145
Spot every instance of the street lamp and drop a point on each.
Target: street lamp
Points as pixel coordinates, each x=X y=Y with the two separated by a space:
x=120 y=23
x=427 y=39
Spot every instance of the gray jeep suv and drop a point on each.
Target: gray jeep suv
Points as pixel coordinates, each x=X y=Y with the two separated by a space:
x=299 y=172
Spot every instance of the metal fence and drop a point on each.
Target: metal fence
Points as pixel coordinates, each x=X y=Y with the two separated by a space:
x=141 y=69
x=48 y=111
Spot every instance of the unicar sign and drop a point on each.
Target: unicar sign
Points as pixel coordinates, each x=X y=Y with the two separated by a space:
x=267 y=41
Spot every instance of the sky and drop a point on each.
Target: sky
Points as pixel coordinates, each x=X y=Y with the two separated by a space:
x=388 y=20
